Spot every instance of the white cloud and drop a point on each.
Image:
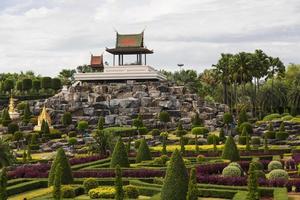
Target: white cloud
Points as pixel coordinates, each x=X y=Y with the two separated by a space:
x=46 y=36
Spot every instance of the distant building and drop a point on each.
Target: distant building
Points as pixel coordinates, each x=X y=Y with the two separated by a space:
x=126 y=44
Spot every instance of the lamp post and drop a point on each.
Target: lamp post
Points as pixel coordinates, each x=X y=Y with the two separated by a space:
x=180 y=66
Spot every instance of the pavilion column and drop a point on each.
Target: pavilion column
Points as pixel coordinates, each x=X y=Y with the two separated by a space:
x=145 y=59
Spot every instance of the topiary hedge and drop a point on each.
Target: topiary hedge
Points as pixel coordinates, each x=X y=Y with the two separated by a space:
x=62 y=160
x=210 y=139
x=131 y=191
x=176 y=180
x=143 y=152
x=274 y=165
x=90 y=183
x=248 y=126
x=119 y=156
x=68 y=191
x=230 y=151
x=272 y=117
x=278 y=174
x=255 y=140
x=231 y=171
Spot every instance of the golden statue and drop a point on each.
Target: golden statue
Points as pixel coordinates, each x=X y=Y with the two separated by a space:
x=11 y=109
x=44 y=116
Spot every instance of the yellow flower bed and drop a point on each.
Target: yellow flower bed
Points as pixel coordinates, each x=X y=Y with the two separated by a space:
x=32 y=194
x=102 y=192
x=171 y=148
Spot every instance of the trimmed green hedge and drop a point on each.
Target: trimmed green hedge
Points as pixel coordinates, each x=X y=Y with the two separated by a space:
x=280 y=194
x=90 y=164
x=17 y=181
x=216 y=193
x=121 y=131
x=144 y=184
x=148 y=191
x=264 y=191
x=240 y=195
x=27 y=186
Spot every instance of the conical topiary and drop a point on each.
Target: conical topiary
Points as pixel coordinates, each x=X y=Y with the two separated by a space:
x=253 y=193
x=61 y=159
x=119 y=156
x=27 y=113
x=192 y=193
x=119 y=184
x=143 y=152
x=3 y=184
x=176 y=180
x=101 y=122
x=57 y=183
x=230 y=151
x=43 y=126
x=5 y=118
x=46 y=130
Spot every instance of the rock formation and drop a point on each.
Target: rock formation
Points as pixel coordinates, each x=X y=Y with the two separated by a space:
x=119 y=103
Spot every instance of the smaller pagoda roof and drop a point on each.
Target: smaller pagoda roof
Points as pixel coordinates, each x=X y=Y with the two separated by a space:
x=129 y=44
x=96 y=61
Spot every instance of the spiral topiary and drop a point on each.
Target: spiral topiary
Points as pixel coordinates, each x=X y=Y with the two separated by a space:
x=274 y=165
x=231 y=171
x=278 y=174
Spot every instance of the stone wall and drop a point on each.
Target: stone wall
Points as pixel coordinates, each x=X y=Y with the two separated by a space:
x=120 y=102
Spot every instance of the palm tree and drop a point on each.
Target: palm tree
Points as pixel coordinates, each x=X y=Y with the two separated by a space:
x=223 y=72
x=6 y=155
x=242 y=64
x=294 y=98
x=276 y=67
x=260 y=64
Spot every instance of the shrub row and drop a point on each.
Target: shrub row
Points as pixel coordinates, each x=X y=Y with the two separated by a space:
x=27 y=186
x=30 y=171
x=16 y=181
x=90 y=164
x=216 y=168
x=216 y=193
x=137 y=173
x=280 y=194
x=87 y=159
x=264 y=191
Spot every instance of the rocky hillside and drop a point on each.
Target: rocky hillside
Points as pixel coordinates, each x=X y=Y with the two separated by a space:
x=120 y=102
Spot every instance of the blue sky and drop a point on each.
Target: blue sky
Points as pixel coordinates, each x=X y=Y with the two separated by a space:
x=48 y=35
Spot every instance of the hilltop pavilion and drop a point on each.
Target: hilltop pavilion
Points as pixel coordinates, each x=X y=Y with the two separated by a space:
x=126 y=44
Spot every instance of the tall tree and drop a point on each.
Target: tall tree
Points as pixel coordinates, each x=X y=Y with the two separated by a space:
x=276 y=68
x=67 y=76
x=222 y=70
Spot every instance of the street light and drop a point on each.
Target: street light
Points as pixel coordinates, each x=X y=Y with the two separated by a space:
x=180 y=66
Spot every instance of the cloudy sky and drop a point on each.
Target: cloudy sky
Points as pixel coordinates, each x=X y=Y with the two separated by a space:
x=48 y=35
